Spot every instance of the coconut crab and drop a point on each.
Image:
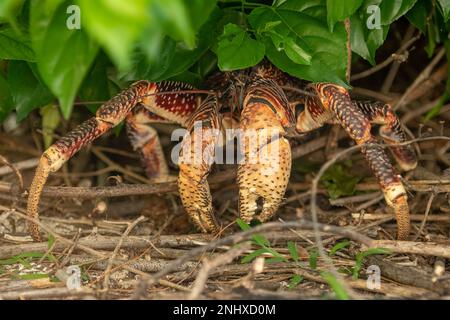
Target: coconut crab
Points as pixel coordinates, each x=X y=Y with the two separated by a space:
x=257 y=98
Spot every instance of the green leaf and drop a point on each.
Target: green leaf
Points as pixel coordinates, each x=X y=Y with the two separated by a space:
x=9 y=9
x=50 y=121
x=63 y=56
x=296 y=53
x=445 y=7
x=365 y=41
x=261 y=240
x=27 y=91
x=419 y=13
x=313 y=255
x=116 y=25
x=180 y=19
x=391 y=10
x=328 y=49
x=6 y=101
x=360 y=258
x=295 y=281
x=248 y=258
x=236 y=50
x=335 y=285
x=242 y=224
x=338 y=10
x=174 y=58
x=15 y=46
x=96 y=86
x=292 y=247
x=339 y=246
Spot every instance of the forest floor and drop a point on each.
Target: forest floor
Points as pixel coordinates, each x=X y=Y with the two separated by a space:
x=132 y=239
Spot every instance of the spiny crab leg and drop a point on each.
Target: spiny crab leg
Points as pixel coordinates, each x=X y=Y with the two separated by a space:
x=264 y=172
x=357 y=124
x=177 y=107
x=196 y=158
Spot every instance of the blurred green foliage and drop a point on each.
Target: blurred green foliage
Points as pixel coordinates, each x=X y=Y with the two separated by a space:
x=44 y=61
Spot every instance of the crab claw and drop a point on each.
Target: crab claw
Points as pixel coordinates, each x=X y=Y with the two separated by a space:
x=196 y=158
x=264 y=171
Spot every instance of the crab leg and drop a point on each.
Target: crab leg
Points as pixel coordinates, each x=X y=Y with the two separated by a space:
x=391 y=132
x=196 y=158
x=264 y=172
x=145 y=140
x=175 y=107
x=337 y=100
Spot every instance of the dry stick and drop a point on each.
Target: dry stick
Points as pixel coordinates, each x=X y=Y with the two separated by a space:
x=386 y=62
x=21 y=165
x=422 y=76
x=348 y=70
x=15 y=170
x=427 y=211
x=421 y=248
x=414 y=217
x=245 y=235
x=401 y=57
x=114 y=254
x=209 y=265
x=46 y=293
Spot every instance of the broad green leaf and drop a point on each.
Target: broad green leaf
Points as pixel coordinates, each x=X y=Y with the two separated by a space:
x=328 y=49
x=338 y=10
x=419 y=13
x=116 y=25
x=335 y=285
x=313 y=8
x=296 y=53
x=445 y=7
x=236 y=50
x=292 y=247
x=391 y=10
x=63 y=56
x=295 y=281
x=6 y=101
x=173 y=57
x=15 y=46
x=367 y=32
x=28 y=92
x=180 y=19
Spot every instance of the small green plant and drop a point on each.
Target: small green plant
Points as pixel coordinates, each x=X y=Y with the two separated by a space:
x=335 y=285
x=264 y=245
x=360 y=259
x=338 y=181
x=338 y=246
x=295 y=281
